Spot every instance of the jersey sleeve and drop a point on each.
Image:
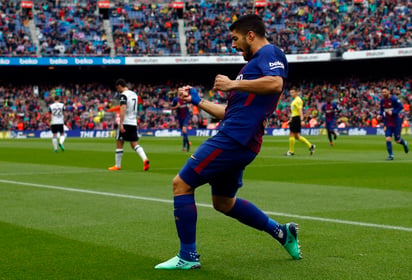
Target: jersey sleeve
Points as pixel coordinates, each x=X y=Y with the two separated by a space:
x=381 y=111
x=123 y=99
x=299 y=103
x=397 y=105
x=273 y=63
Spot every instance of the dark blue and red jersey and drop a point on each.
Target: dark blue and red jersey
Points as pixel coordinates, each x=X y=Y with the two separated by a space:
x=330 y=110
x=183 y=109
x=245 y=115
x=391 y=104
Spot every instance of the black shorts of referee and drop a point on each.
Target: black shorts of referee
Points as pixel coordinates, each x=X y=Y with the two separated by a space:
x=295 y=124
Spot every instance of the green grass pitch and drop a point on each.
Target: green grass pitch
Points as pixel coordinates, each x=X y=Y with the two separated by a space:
x=65 y=216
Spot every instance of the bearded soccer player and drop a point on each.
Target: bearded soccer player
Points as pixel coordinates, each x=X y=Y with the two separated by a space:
x=220 y=160
x=390 y=107
x=183 y=115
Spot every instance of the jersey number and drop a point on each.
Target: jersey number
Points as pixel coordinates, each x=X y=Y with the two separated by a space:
x=57 y=112
x=134 y=100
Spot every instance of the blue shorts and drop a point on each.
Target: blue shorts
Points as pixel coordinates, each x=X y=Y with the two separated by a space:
x=393 y=130
x=219 y=161
x=330 y=125
x=184 y=122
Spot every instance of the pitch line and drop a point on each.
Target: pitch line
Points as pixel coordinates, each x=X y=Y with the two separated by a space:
x=336 y=221
x=58 y=172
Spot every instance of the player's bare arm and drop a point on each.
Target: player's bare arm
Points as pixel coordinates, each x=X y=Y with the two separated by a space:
x=216 y=110
x=122 y=114
x=174 y=107
x=261 y=86
x=301 y=117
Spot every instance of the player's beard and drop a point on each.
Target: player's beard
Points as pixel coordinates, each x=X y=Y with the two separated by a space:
x=247 y=53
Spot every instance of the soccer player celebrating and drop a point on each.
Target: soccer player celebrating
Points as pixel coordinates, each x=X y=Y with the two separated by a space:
x=56 y=110
x=390 y=107
x=127 y=130
x=221 y=159
x=295 y=122
x=330 y=109
x=183 y=115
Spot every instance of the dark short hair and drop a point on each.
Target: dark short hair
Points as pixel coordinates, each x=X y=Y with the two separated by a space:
x=56 y=97
x=120 y=82
x=250 y=22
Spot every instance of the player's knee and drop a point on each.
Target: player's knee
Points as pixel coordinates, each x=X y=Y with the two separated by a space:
x=219 y=207
x=180 y=187
x=223 y=205
x=388 y=139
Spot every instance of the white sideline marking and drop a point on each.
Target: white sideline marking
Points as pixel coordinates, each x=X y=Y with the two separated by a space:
x=337 y=221
x=57 y=172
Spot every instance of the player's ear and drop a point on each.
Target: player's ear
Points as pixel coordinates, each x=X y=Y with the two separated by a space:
x=250 y=35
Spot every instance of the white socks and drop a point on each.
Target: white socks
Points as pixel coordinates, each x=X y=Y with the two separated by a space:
x=119 y=155
x=139 y=150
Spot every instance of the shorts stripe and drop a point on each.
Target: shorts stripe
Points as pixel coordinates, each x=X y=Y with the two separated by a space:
x=207 y=160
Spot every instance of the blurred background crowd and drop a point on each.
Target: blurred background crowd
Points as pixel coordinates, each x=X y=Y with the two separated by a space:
x=88 y=105
x=75 y=27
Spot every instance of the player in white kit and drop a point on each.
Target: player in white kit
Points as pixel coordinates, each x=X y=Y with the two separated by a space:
x=57 y=123
x=127 y=130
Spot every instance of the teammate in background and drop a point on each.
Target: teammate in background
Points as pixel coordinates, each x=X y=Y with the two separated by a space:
x=127 y=129
x=330 y=109
x=220 y=160
x=56 y=110
x=183 y=115
x=295 y=123
x=390 y=107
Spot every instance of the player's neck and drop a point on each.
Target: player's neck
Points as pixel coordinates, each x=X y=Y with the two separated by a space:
x=260 y=43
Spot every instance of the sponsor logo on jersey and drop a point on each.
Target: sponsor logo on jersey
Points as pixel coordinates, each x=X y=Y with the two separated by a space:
x=276 y=64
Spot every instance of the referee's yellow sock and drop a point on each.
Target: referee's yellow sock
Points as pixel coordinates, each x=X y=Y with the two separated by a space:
x=304 y=140
x=292 y=144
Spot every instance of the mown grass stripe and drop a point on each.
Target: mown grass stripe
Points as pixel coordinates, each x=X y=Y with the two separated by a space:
x=109 y=194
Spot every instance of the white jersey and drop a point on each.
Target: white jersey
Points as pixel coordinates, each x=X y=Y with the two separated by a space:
x=131 y=99
x=56 y=109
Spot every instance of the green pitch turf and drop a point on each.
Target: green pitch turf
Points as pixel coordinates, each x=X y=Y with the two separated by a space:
x=65 y=216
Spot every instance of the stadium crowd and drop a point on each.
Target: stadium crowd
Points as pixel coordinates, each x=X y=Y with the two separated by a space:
x=15 y=38
x=70 y=30
x=75 y=28
x=88 y=105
